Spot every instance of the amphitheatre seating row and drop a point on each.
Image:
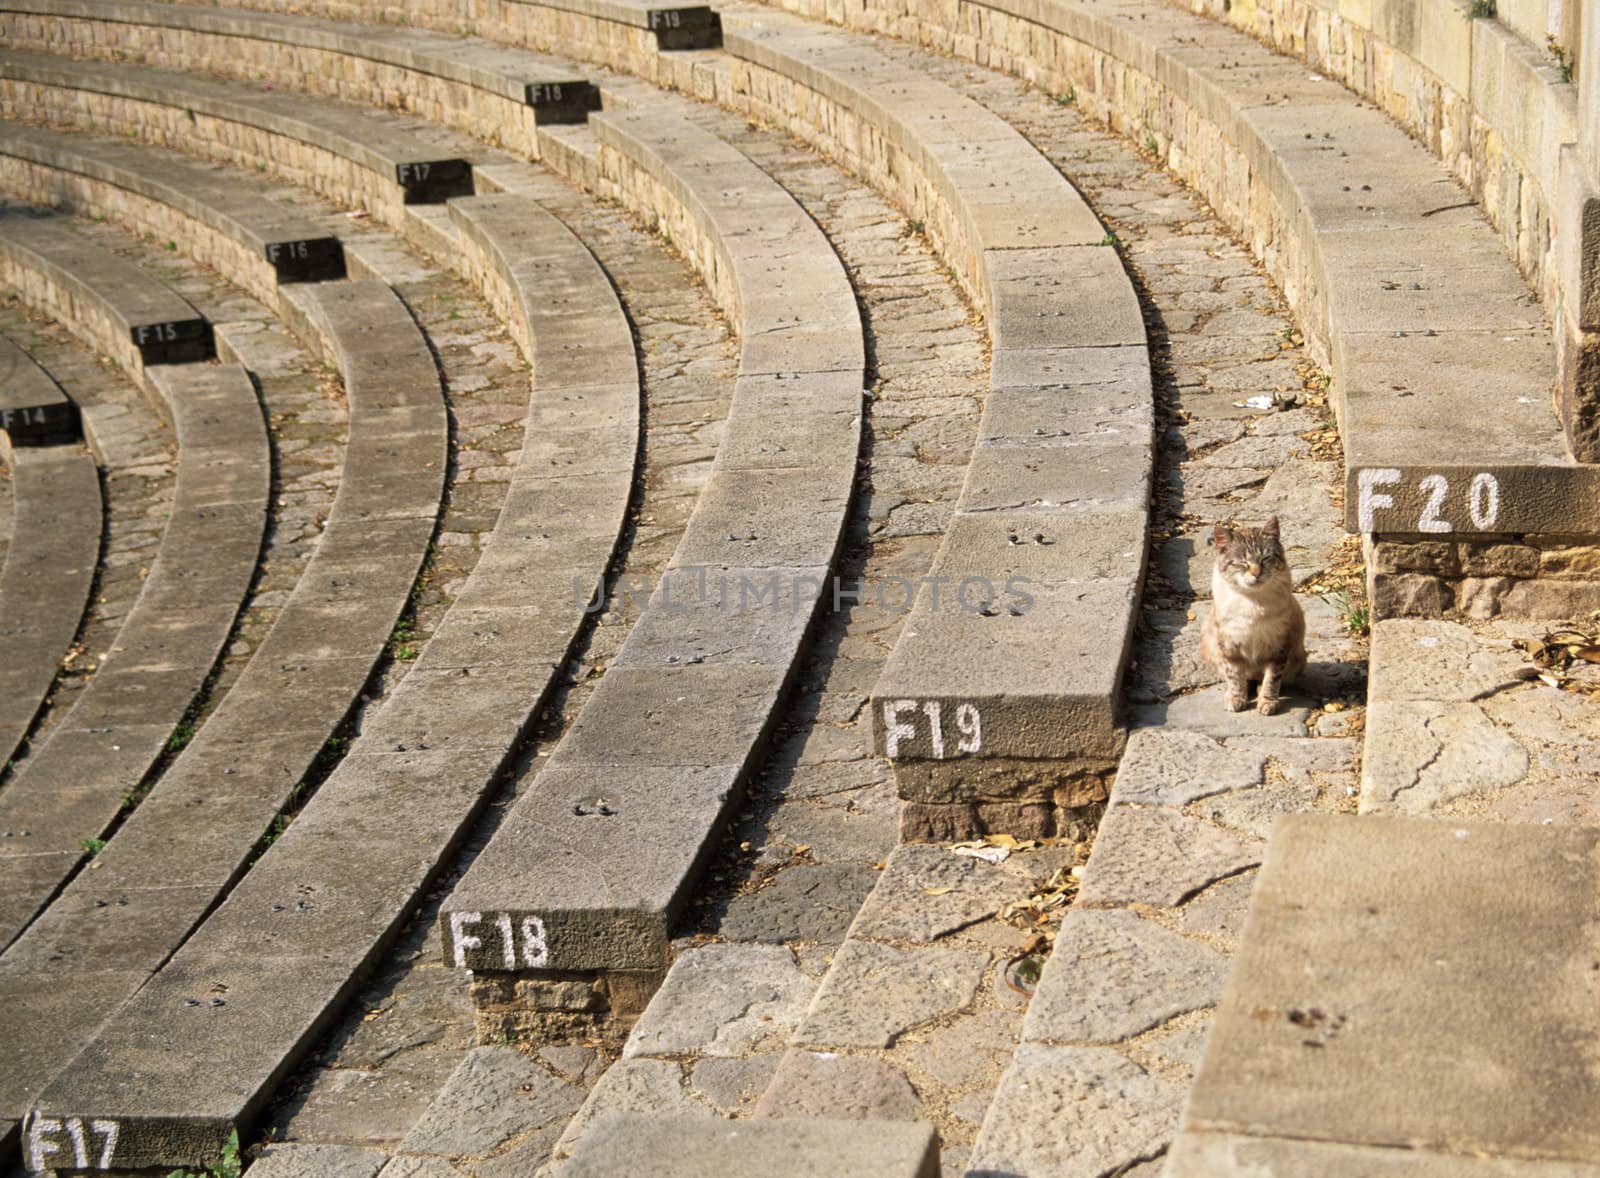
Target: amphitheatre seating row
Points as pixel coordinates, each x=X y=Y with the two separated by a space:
x=1003 y=686
x=497 y=95
x=350 y=154
x=1442 y=361
x=222 y=220
x=296 y=934
x=71 y=787
x=105 y=299
x=593 y=864
x=690 y=1147
x=110 y=929
x=34 y=411
x=55 y=540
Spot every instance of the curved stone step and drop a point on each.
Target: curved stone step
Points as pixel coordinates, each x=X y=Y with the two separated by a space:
x=999 y=705
x=297 y=933
x=219 y=219
x=497 y=95
x=1442 y=359
x=55 y=543
x=105 y=300
x=592 y=866
x=110 y=929
x=33 y=409
x=71 y=788
x=354 y=155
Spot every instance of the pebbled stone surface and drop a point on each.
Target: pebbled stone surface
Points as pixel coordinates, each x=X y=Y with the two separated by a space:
x=496 y=1093
x=817 y=1083
x=723 y=1000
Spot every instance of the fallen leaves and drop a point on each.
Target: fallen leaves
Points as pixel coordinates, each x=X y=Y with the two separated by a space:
x=1559 y=652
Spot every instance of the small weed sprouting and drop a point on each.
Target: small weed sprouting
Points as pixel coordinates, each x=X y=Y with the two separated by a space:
x=1483 y=9
x=916 y=227
x=1151 y=145
x=1562 y=54
x=230 y=1165
x=1109 y=239
x=181 y=735
x=1354 y=614
x=403 y=642
x=92 y=847
x=172 y=247
x=1067 y=99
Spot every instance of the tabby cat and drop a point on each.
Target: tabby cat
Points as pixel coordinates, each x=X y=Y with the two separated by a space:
x=1255 y=629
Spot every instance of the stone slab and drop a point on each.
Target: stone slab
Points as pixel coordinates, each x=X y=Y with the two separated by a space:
x=1387 y=956
x=924 y=893
x=801 y=1148
x=874 y=993
x=1225 y=1155
x=1104 y=1113
x=495 y=1094
x=849 y=1087
x=723 y=1000
x=293 y=1160
x=1159 y=857
x=589 y=870
x=1113 y=975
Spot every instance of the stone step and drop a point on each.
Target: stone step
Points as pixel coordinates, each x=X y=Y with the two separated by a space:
x=1383 y=957
x=325 y=899
x=49 y=567
x=1442 y=357
x=108 y=930
x=33 y=409
x=687 y=1147
x=105 y=300
x=999 y=703
x=356 y=156
x=591 y=867
x=71 y=787
x=495 y=94
x=211 y=215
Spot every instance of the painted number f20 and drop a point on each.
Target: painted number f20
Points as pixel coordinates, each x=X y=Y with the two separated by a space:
x=1483 y=501
x=534 y=952
x=49 y=1139
x=903 y=718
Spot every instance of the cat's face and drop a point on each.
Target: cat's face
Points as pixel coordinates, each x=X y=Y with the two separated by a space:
x=1250 y=557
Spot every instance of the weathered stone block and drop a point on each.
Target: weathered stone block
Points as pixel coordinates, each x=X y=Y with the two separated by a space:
x=1480 y=597
x=1499 y=560
x=1551 y=599
x=1407 y=595
x=1434 y=557
x=1579 y=562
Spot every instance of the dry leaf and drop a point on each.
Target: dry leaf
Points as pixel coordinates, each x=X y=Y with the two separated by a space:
x=937 y=891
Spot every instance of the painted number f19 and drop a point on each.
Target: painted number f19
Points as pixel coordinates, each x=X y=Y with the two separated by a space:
x=905 y=719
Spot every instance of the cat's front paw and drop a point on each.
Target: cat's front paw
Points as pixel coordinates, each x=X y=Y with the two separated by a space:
x=1237 y=703
x=1267 y=705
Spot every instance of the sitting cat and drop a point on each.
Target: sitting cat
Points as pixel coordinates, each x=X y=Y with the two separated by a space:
x=1255 y=629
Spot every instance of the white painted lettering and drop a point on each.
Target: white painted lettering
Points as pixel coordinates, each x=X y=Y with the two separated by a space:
x=1484 y=501
x=1437 y=489
x=895 y=730
x=108 y=1130
x=460 y=938
x=534 y=950
x=970 y=725
x=1370 y=499
x=40 y=1147
x=931 y=708
x=508 y=944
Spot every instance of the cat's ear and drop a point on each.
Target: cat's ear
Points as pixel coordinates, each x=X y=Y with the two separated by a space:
x=1270 y=528
x=1221 y=535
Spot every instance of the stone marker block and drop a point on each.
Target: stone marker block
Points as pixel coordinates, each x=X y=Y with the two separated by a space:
x=1405 y=980
x=562 y=102
x=430 y=182
x=313 y=259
